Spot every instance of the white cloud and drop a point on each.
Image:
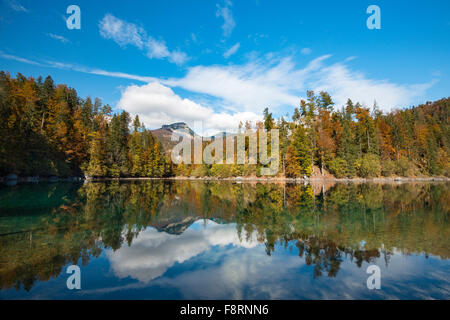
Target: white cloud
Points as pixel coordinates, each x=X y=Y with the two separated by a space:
x=227 y=15
x=78 y=68
x=19 y=59
x=268 y=82
x=58 y=37
x=153 y=252
x=178 y=57
x=125 y=33
x=157 y=104
x=306 y=51
x=242 y=274
x=232 y=50
x=343 y=83
x=113 y=74
x=157 y=49
x=122 y=32
x=230 y=272
x=277 y=82
x=257 y=37
x=16 y=6
x=249 y=87
x=251 y=274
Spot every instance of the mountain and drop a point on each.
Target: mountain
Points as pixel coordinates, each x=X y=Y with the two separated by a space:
x=179 y=127
x=165 y=133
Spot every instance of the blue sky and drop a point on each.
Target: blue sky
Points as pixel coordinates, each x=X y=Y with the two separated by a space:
x=224 y=61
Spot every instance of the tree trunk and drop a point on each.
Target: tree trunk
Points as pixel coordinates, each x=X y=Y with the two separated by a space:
x=43 y=121
x=321 y=164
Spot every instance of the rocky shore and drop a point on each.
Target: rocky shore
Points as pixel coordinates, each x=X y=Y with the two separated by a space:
x=13 y=179
x=284 y=179
x=306 y=179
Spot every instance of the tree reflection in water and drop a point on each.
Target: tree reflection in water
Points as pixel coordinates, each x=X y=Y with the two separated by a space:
x=44 y=227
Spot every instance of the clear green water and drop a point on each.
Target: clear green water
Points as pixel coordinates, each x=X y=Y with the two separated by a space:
x=224 y=240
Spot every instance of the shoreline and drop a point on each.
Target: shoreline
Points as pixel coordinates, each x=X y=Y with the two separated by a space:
x=286 y=180
x=314 y=179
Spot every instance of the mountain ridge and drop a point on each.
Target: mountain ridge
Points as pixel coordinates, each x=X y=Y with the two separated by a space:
x=165 y=133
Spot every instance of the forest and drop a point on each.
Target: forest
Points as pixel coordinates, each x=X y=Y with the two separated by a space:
x=46 y=129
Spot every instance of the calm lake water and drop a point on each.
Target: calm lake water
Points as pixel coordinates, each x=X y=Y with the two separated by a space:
x=224 y=240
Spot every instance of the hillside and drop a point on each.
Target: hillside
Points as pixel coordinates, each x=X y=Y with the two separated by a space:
x=164 y=134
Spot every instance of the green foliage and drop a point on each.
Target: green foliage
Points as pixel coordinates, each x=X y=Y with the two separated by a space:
x=182 y=170
x=446 y=171
x=298 y=156
x=338 y=167
x=248 y=170
x=404 y=167
x=368 y=166
x=200 y=170
x=388 y=168
x=224 y=171
x=268 y=120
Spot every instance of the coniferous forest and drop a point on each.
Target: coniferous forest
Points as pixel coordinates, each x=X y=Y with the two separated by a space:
x=46 y=129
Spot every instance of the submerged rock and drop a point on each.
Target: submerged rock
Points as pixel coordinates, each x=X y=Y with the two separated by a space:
x=11 y=183
x=53 y=179
x=11 y=176
x=32 y=179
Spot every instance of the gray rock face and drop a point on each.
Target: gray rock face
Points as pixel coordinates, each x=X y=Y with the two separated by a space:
x=179 y=126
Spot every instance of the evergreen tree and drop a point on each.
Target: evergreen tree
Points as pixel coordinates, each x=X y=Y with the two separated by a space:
x=298 y=158
x=117 y=145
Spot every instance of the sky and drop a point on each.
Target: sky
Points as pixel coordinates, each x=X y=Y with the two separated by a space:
x=219 y=62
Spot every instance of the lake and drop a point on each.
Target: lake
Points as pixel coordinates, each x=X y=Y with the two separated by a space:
x=159 y=239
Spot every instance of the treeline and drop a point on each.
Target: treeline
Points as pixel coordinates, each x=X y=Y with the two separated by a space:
x=47 y=129
x=358 y=141
x=355 y=141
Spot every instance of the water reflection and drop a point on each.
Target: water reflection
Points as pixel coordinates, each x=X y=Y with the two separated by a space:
x=251 y=240
x=153 y=252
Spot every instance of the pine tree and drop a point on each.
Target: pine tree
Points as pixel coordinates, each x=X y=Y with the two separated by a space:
x=117 y=145
x=298 y=158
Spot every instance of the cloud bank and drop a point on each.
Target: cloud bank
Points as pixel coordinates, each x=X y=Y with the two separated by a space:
x=277 y=82
x=157 y=104
x=240 y=91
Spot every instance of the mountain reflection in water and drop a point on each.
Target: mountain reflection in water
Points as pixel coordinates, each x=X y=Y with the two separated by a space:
x=224 y=240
